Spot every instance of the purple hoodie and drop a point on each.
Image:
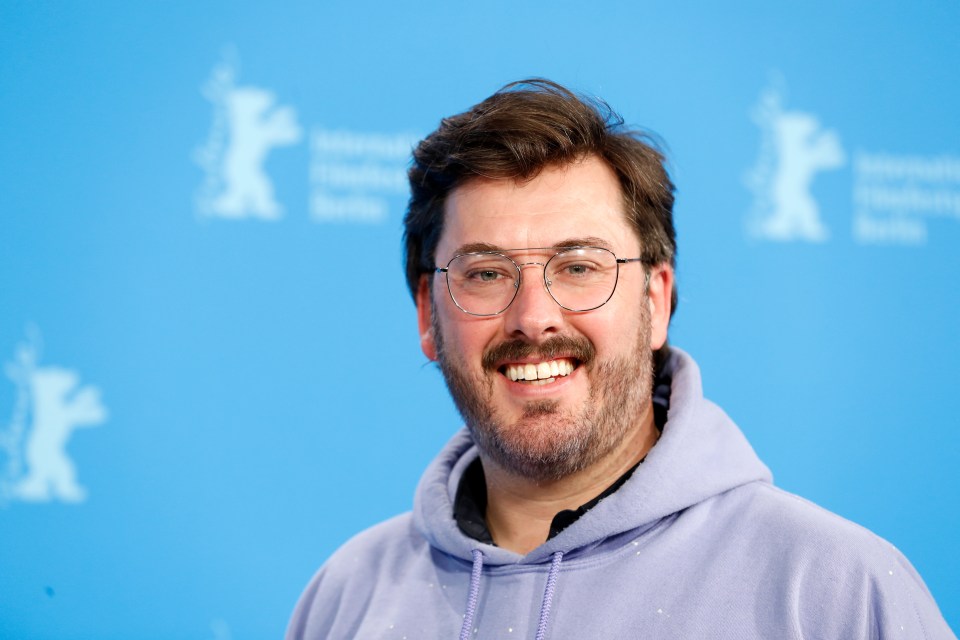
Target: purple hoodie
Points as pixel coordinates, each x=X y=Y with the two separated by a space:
x=696 y=544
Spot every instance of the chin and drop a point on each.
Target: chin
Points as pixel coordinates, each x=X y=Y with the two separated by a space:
x=545 y=443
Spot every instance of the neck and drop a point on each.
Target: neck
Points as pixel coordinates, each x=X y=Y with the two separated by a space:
x=520 y=510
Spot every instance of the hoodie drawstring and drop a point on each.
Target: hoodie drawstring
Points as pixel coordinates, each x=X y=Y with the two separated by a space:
x=474 y=595
x=548 y=595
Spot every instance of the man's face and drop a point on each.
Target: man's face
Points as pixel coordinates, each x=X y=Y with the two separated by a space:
x=547 y=429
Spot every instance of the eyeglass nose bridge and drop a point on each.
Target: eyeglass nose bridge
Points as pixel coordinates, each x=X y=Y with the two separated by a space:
x=521 y=265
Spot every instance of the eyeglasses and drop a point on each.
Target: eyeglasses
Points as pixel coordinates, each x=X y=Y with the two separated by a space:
x=485 y=283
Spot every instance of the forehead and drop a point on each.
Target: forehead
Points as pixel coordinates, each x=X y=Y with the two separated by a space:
x=564 y=203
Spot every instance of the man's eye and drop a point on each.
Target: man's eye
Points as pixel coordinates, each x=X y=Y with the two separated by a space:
x=484 y=275
x=579 y=270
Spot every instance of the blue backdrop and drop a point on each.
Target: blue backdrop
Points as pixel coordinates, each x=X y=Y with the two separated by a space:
x=211 y=370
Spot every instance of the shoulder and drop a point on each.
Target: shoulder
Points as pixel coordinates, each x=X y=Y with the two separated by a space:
x=806 y=535
x=371 y=552
x=820 y=561
x=762 y=520
x=396 y=535
x=794 y=519
x=344 y=581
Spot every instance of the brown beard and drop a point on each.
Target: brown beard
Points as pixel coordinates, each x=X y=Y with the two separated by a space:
x=547 y=442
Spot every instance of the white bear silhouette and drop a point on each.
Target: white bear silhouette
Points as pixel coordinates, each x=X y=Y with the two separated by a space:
x=795 y=148
x=803 y=149
x=58 y=407
x=253 y=130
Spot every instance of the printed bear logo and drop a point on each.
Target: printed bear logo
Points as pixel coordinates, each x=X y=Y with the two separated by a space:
x=50 y=405
x=248 y=124
x=794 y=149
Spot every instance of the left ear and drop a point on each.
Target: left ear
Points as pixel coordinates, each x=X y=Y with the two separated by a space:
x=659 y=292
x=428 y=343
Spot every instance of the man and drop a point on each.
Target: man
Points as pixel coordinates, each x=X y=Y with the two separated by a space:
x=594 y=492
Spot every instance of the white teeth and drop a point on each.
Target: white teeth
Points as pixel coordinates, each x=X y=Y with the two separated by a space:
x=543 y=371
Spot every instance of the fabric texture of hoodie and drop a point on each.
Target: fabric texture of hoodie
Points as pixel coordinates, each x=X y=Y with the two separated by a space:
x=696 y=544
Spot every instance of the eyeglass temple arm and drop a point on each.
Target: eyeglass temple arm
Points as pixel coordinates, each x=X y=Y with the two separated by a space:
x=646 y=272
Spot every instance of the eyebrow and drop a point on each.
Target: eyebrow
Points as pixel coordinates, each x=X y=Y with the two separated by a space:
x=589 y=241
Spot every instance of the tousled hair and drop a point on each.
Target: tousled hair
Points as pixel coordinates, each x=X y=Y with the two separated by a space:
x=517 y=132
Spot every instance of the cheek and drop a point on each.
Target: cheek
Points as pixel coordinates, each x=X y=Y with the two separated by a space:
x=465 y=338
x=475 y=340
x=612 y=331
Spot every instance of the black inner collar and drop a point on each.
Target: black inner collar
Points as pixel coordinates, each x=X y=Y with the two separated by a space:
x=470 y=506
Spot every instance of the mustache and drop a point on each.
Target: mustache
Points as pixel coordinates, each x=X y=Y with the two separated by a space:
x=579 y=348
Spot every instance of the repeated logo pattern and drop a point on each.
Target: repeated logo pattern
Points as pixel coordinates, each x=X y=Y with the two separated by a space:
x=795 y=147
x=51 y=403
x=248 y=123
x=893 y=197
x=354 y=176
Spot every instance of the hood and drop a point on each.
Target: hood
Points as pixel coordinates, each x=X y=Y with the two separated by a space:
x=701 y=453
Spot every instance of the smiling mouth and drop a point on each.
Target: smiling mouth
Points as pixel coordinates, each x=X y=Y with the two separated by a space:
x=539 y=372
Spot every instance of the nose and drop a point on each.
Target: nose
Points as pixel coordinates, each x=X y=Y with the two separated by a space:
x=534 y=314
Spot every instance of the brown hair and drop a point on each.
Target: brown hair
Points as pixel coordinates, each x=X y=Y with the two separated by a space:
x=517 y=132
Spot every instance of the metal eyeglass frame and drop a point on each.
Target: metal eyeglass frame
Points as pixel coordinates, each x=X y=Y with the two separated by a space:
x=546 y=283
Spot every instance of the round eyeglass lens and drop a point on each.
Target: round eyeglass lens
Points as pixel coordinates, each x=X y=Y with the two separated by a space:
x=483 y=284
x=582 y=279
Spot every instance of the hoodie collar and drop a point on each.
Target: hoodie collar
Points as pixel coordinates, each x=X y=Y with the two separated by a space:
x=701 y=453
